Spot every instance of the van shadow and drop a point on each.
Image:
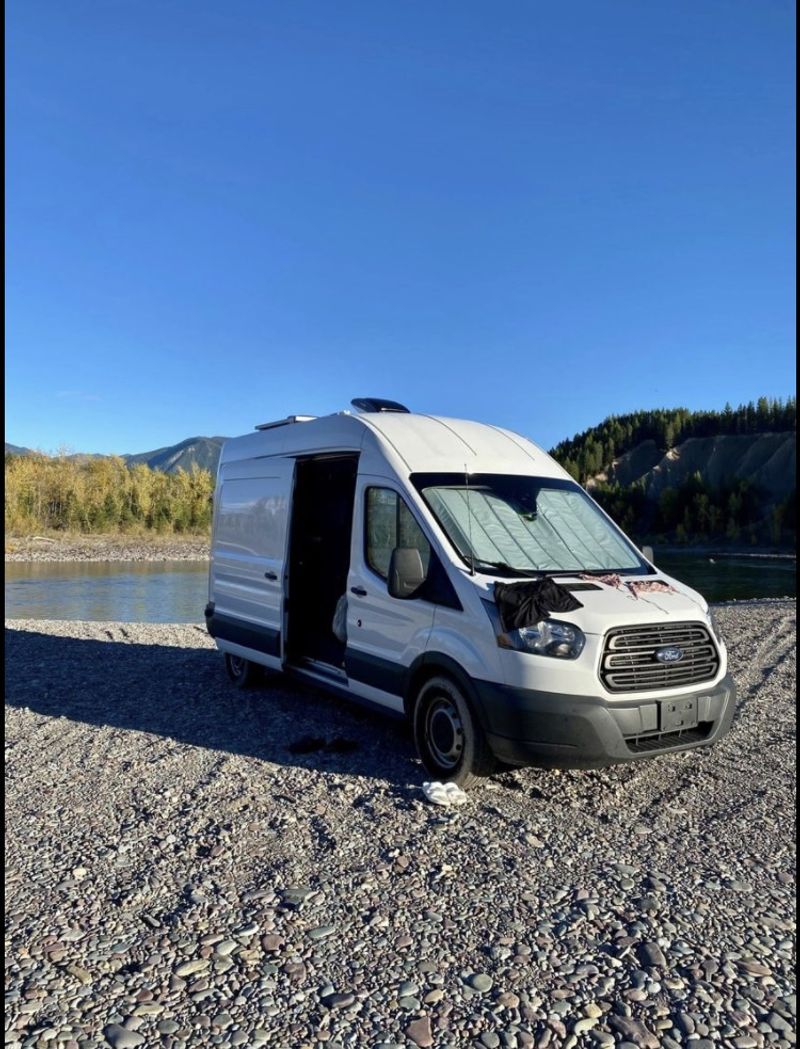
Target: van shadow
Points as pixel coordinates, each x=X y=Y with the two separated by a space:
x=184 y=694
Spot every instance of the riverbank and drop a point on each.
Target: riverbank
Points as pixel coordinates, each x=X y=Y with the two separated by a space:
x=709 y=550
x=155 y=547
x=192 y=865
x=108 y=548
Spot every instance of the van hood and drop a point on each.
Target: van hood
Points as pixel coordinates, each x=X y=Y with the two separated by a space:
x=609 y=606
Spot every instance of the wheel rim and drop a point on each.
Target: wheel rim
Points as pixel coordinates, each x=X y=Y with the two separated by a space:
x=238 y=664
x=444 y=732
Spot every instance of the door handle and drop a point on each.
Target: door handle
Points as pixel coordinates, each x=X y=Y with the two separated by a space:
x=358 y=590
x=271 y=575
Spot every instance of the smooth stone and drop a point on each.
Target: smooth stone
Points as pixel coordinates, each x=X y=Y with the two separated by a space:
x=603 y=1038
x=321 y=932
x=297 y=892
x=651 y=954
x=636 y=994
x=753 y=968
x=196 y=965
x=480 y=982
x=582 y=1026
x=778 y=1023
x=225 y=948
x=121 y=1038
x=508 y=1000
x=684 y=1023
x=635 y=1031
x=339 y=1000
x=247 y=931
x=419 y=1031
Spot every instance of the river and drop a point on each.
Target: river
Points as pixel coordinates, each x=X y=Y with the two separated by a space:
x=176 y=591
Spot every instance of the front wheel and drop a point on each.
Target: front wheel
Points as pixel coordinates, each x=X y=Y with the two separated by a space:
x=449 y=739
x=242 y=672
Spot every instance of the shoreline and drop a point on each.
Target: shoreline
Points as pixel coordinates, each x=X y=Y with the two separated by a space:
x=101 y=548
x=154 y=548
x=711 y=551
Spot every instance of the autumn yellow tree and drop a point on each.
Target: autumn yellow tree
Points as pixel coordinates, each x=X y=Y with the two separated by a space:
x=67 y=494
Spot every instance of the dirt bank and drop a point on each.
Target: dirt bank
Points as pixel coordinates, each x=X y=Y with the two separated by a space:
x=108 y=548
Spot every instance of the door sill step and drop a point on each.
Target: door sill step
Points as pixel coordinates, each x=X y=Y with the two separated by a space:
x=316 y=666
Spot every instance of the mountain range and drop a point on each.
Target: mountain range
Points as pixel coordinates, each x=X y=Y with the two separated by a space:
x=768 y=460
x=202 y=452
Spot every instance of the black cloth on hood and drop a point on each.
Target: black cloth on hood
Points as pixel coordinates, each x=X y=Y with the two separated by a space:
x=528 y=603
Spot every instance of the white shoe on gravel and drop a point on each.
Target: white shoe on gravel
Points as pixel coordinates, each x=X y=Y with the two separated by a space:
x=444 y=794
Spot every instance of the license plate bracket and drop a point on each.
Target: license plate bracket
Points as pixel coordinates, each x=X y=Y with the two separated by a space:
x=679 y=714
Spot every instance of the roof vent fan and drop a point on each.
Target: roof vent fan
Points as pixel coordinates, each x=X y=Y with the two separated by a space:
x=377 y=404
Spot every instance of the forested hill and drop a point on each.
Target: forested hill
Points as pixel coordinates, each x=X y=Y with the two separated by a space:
x=594 y=451
x=676 y=475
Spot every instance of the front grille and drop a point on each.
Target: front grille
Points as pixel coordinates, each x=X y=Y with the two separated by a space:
x=629 y=661
x=665 y=740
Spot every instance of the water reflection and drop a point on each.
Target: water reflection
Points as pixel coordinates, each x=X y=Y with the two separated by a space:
x=732 y=578
x=128 y=592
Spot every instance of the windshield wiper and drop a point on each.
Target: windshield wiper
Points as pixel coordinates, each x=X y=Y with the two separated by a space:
x=501 y=566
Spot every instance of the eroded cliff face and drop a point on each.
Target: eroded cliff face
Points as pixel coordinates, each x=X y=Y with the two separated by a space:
x=768 y=460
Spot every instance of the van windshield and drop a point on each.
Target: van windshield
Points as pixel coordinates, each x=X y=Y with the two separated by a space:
x=516 y=525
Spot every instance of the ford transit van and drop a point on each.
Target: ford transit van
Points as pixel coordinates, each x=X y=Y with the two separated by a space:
x=453 y=573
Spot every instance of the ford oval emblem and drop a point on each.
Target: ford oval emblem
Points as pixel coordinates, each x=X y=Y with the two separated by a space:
x=670 y=654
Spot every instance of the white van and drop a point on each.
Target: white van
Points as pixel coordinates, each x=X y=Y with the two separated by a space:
x=414 y=562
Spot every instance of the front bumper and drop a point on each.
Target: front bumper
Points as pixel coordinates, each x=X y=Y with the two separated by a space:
x=551 y=730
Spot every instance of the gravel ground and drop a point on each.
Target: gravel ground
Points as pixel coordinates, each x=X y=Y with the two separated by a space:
x=108 y=548
x=188 y=865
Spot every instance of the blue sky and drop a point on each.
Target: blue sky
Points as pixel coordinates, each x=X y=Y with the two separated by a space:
x=531 y=213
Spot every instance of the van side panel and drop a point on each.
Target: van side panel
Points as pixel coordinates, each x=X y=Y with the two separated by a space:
x=248 y=552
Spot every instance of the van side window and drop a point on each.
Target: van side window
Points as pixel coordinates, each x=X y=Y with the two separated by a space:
x=389 y=523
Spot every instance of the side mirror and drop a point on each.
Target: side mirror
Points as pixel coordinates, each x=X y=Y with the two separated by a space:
x=648 y=553
x=406 y=574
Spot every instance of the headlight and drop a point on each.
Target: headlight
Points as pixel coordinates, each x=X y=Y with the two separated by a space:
x=548 y=638
x=712 y=619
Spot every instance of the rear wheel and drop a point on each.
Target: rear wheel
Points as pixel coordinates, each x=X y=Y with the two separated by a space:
x=449 y=739
x=241 y=671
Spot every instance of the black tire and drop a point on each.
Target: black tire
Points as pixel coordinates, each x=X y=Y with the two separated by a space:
x=449 y=739
x=242 y=672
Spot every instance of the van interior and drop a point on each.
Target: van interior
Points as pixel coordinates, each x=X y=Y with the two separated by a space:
x=319 y=557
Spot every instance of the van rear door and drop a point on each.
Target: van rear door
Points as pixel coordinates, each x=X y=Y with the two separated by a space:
x=248 y=553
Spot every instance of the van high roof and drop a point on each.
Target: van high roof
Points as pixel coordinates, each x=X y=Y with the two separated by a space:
x=413 y=442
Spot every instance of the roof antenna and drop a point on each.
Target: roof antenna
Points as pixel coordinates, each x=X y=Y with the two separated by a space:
x=469 y=526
